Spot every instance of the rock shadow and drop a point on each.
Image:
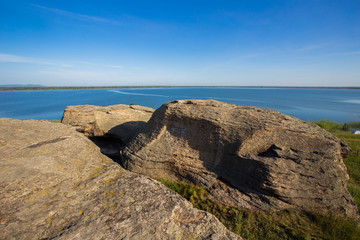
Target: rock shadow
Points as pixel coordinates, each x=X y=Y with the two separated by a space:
x=112 y=142
x=109 y=146
x=219 y=155
x=126 y=131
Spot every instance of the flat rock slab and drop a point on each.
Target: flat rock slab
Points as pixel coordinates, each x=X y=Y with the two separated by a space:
x=244 y=156
x=119 y=121
x=55 y=184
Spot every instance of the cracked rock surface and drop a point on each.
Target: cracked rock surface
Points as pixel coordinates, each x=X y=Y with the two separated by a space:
x=244 y=156
x=55 y=184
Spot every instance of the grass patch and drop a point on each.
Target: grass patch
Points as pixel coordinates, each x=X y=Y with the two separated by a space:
x=269 y=224
x=330 y=126
x=55 y=121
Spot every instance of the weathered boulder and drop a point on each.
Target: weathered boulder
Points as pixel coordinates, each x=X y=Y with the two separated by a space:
x=55 y=184
x=116 y=121
x=244 y=156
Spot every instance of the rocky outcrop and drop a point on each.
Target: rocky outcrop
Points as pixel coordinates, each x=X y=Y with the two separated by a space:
x=244 y=156
x=55 y=184
x=111 y=127
x=116 y=121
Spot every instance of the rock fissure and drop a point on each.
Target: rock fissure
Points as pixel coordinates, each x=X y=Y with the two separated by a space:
x=39 y=144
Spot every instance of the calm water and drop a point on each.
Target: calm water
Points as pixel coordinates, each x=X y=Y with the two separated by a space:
x=339 y=105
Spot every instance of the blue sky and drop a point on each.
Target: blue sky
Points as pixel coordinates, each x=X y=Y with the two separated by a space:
x=242 y=43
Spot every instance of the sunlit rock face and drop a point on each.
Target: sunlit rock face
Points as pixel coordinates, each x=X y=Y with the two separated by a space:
x=55 y=184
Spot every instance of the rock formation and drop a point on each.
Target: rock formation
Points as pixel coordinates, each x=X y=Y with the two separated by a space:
x=244 y=156
x=55 y=184
x=116 y=121
x=109 y=127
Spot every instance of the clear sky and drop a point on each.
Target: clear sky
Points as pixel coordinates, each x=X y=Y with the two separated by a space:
x=243 y=43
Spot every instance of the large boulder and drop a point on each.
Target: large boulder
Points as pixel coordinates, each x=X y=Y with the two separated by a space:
x=244 y=156
x=55 y=184
x=116 y=121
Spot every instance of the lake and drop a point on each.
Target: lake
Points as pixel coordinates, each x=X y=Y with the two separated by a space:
x=339 y=105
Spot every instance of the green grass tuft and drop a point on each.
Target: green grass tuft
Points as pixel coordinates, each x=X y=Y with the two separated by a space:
x=55 y=121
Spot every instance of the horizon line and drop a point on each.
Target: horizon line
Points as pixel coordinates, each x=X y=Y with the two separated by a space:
x=42 y=87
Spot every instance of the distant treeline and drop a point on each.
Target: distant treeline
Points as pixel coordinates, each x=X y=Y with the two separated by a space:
x=70 y=88
x=36 y=88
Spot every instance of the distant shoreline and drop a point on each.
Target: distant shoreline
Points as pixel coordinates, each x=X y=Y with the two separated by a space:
x=126 y=87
